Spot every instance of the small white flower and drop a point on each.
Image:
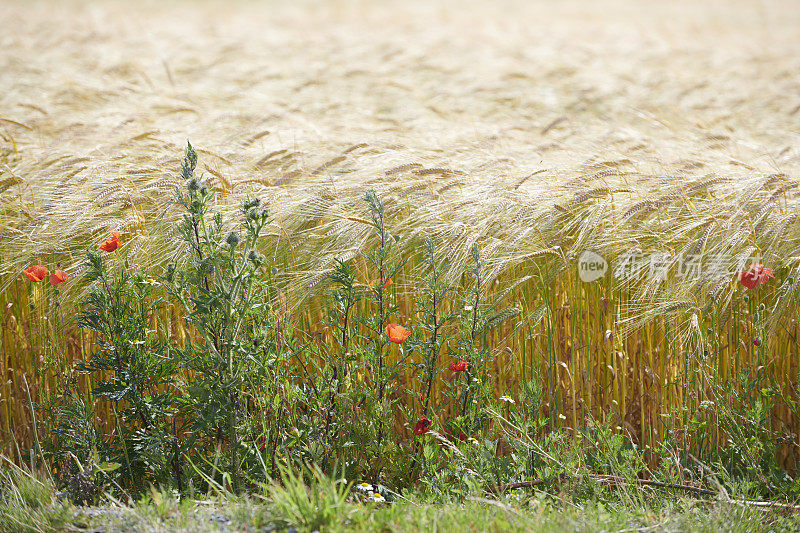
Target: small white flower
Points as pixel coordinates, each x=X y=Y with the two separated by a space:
x=473 y=440
x=365 y=487
x=377 y=498
x=562 y=417
x=468 y=308
x=507 y=398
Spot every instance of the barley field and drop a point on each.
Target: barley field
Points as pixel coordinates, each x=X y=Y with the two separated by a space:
x=536 y=130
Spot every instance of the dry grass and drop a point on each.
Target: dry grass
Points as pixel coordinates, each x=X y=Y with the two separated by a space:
x=537 y=129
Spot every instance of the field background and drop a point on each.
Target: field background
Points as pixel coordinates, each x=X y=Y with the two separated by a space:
x=536 y=129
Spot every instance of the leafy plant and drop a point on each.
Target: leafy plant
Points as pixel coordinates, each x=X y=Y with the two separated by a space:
x=226 y=301
x=134 y=370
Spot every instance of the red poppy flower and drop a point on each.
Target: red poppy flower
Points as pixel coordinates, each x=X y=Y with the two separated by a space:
x=59 y=276
x=757 y=275
x=423 y=425
x=36 y=273
x=377 y=282
x=459 y=366
x=397 y=333
x=112 y=243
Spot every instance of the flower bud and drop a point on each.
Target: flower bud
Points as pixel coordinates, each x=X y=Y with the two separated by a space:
x=232 y=239
x=170 y=271
x=256 y=258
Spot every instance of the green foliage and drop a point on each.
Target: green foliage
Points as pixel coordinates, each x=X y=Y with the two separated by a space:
x=386 y=266
x=27 y=502
x=432 y=327
x=744 y=415
x=228 y=303
x=134 y=370
x=314 y=504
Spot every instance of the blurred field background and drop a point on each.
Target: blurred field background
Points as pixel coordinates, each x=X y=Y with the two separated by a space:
x=536 y=129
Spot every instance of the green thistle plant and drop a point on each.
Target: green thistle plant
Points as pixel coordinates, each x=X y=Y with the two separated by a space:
x=228 y=305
